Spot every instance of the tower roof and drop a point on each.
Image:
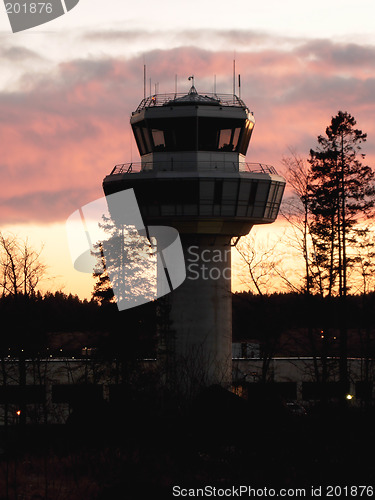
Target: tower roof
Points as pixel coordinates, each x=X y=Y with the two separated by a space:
x=191 y=98
x=194 y=98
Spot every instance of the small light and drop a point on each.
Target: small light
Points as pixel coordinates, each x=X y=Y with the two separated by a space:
x=18 y=412
x=322 y=336
x=349 y=397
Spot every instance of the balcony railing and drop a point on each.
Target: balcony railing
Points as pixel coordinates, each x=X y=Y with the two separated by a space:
x=135 y=167
x=158 y=100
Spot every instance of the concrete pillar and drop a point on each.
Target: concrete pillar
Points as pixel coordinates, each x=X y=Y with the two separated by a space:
x=200 y=315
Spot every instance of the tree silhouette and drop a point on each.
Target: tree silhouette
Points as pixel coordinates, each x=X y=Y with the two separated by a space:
x=340 y=196
x=21 y=266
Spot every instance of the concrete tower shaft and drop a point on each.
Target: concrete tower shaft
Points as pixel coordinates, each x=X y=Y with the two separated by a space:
x=193 y=176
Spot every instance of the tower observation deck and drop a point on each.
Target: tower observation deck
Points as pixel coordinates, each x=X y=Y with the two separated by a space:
x=193 y=176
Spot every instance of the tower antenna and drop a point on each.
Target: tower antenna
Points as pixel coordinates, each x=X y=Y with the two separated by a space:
x=144 y=81
x=234 y=76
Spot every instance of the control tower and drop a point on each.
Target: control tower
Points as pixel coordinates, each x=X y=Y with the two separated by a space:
x=193 y=176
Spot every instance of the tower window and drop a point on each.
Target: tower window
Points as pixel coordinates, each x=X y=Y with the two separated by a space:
x=218 y=191
x=146 y=136
x=253 y=192
x=225 y=139
x=245 y=139
x=159 y=140
x=236 y=135
x=140 y=141
x=192 y=134
x=219 y=134
x=228 y=139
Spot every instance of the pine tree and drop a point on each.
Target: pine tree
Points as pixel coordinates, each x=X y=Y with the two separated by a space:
x=341 y=196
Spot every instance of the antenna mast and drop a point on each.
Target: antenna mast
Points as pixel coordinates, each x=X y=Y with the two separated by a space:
x=144 y=81
x=234 y=76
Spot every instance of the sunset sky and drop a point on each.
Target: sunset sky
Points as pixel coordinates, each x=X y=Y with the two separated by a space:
x=67 y=89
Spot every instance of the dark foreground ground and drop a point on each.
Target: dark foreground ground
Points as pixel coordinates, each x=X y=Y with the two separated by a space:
x=136 y=452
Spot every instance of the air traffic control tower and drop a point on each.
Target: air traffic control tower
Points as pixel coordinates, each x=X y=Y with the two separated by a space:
x=193 y=176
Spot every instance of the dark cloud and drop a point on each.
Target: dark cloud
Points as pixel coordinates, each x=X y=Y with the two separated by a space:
x=45 y=206
x=337 y=54
x=18 y=54
x=239 y=39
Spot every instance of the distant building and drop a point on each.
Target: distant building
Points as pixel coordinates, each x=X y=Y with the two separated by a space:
x=248 y=349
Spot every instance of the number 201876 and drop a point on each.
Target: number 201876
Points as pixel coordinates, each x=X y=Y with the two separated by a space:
x=351 y=491
x=28 y=8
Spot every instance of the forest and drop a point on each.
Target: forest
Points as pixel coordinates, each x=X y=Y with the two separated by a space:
x=30 y=321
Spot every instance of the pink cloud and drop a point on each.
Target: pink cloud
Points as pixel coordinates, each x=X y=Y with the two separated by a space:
x=64 y=132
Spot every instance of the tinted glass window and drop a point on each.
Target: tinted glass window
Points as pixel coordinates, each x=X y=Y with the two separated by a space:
x=168 y=192
x=219 y=134
x=158 y=139
x=139 y=140
x=225 y=139
x=146 y=137
x=193 y=134
x=245 y=139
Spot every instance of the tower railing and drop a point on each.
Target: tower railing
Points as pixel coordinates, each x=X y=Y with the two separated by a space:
x=164 y=99
x=212 y=166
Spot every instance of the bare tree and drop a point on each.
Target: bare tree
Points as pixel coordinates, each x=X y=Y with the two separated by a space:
x=261 y=270
x=21 y=266
x=21 y=271
x=296 y=211
x=260 y=263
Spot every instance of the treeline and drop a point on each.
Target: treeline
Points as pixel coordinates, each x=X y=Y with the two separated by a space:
x=293 y=324
x=29 y=321
x=286 y=311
